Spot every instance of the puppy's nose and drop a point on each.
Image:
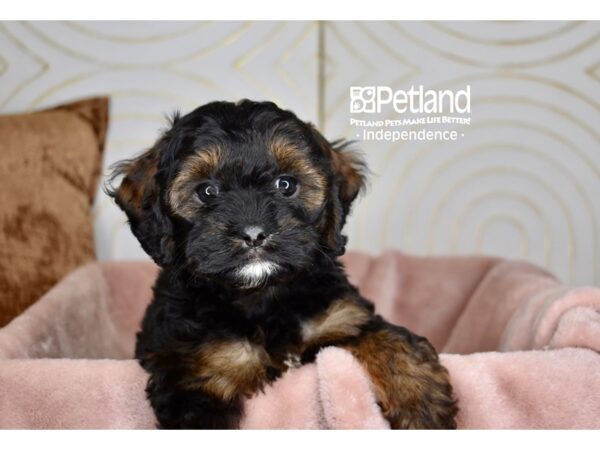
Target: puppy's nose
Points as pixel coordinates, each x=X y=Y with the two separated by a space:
x=254 y=236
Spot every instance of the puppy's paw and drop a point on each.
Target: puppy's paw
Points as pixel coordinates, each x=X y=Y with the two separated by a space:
x=412 y=387
x=425 y=414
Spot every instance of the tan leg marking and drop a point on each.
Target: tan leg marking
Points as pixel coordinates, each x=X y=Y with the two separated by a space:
x=413 y=389
x=342 y=319
x=229 y=368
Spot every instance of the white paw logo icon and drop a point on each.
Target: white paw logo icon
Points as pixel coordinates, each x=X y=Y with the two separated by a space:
x=362 y=99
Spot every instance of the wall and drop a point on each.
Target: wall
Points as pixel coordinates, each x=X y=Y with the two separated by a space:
x=524 y=182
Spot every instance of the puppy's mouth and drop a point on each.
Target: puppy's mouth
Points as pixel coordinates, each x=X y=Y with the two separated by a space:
x=256 y=267
x=255 y=272
x=234 y=263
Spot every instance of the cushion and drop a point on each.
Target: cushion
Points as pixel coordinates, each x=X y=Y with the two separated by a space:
x=49 y=169
x=522 y=350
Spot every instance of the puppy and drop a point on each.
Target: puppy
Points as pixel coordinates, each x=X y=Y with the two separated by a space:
x=242 y=206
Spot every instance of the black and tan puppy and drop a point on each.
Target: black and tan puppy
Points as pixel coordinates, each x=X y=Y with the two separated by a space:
x=242 y=205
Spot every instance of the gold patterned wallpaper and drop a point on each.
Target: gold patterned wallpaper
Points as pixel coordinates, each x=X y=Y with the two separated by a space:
x=523 y=182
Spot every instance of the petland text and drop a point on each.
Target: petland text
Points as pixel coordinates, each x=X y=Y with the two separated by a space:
x=416 y=100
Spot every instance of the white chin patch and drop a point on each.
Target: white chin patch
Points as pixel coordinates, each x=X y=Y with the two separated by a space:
x=255 y=273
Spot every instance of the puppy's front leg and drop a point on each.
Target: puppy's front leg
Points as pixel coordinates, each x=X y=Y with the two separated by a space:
x=204 y=387
x=411 y=386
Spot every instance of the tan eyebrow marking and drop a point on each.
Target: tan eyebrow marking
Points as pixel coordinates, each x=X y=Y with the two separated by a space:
x=292 y=159
x=196 y=167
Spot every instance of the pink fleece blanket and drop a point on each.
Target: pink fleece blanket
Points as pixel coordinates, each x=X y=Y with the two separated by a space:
x=522 y=349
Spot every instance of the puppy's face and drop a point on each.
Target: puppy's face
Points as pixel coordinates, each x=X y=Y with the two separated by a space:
x=243 y=193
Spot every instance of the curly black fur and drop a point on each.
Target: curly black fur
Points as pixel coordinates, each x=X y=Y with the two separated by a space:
x=217 y=331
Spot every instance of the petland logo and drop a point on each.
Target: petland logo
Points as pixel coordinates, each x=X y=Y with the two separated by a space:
x=416 y=100
x=425 y=114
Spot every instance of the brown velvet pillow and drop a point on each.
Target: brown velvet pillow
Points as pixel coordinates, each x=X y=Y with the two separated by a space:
x=50 y=162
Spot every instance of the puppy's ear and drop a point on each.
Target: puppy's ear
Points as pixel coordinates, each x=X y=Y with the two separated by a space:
x=350 y=171
x=139 y=195
x=349 y=178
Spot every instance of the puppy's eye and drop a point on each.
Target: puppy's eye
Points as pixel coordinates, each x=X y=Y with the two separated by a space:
x=207 y=191
x=286 y=185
